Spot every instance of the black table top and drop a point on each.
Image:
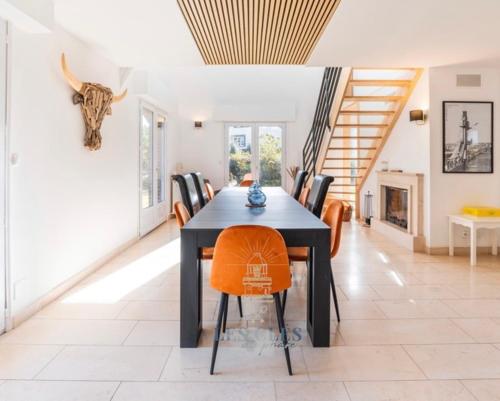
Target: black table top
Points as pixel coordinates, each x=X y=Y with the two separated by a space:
x=228 y=209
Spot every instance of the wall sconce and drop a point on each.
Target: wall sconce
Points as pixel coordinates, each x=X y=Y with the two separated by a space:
x=418 y=116
x=198 y=124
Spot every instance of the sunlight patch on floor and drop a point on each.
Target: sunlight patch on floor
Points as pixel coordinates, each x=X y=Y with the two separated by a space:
x=133 y=275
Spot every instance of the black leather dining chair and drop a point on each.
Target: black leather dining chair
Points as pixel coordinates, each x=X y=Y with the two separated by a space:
x=201 y=189
x=317 y=196
x=298 y=183
x=189 y=193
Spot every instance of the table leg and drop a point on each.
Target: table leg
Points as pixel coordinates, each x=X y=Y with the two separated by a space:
x=318 y=297
x=451 y=239
x=494 y=242
x=191 y=291
x=473 y=246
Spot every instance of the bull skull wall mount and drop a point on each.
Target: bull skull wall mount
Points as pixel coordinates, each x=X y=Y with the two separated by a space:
x=95 y=102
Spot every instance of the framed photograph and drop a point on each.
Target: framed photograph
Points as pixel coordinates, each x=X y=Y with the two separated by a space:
x=467 y=137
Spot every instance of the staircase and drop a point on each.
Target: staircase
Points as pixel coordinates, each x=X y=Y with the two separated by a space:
x=364 y=117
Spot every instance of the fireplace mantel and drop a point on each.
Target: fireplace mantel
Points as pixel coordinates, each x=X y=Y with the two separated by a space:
x=413 y=236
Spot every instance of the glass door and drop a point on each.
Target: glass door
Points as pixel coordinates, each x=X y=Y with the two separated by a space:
x=255 y=151
x=153 y=166
x=3 y=125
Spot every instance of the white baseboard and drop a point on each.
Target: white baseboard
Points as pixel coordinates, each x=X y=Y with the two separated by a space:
x=28 y=311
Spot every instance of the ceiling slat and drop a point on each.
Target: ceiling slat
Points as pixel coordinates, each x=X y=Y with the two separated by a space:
x=257 y=31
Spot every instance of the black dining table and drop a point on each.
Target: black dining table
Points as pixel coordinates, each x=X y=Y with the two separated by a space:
x=299 y=228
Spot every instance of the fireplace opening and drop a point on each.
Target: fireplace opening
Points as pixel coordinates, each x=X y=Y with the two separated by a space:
x=396 y=206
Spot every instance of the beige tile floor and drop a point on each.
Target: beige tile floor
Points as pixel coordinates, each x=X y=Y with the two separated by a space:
x=414 y=328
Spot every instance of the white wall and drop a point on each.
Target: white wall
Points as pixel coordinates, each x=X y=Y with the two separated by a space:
x=264 y=89
x=407 y=149
x=450 y=192
x=68 y=206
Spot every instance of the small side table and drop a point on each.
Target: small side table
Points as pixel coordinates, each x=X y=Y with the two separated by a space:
x=474 y=223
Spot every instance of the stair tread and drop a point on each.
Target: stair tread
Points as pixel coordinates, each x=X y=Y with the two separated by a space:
x=373 y=98
x=368 y=112
x=380 y=82
x=356 y=137
x=367 y=125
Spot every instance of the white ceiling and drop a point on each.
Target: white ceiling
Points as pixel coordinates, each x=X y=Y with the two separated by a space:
x=388 y=33
x=411 y=33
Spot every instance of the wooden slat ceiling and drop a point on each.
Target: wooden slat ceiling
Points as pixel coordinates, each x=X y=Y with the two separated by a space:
x=257 y=31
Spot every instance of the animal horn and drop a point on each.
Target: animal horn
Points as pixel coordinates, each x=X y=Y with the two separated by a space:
x=119 y=98
x=72 y=80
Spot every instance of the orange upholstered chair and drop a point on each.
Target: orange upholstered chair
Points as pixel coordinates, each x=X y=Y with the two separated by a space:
x=333 y=217
x=246 y=183
x=304 y=194
x=210 y=191
x=182 y=216
x=250 y=261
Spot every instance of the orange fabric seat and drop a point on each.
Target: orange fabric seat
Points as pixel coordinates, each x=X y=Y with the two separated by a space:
x=297 y=254
x=304 y=194
x=250 y=261
x=182 y=216
x=246 y=183
x=333 y=217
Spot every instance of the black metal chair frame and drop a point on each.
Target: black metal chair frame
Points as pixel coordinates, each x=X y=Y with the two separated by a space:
x=221 y=323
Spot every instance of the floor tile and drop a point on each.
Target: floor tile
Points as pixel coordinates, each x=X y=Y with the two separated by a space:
x=402 y=331
x=311 y=392
x=195 y=392
x=476 y=291
x=475 y=308
x=76 y=332
x=358 y=310
x=411 y=309
x=462 y=361
x=482 y=330
x=252 y=364
x=484 y=390
x=360 y=292
x=155 y=333
x=448 y=390
x=360 y=363
x=107 y=363
x=151 y=310
x=61 y=310
x=24 y=361
x=57 y=391
x=393 y=292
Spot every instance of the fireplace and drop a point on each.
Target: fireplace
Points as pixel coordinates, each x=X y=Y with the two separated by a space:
x=396 y=206
x=400 y=208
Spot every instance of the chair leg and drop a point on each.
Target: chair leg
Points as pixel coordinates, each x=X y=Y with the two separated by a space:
x=282 y=328
x=224 y=321
x=284 y=300
x=334 y=293
x=222 y=308
x=240 y=307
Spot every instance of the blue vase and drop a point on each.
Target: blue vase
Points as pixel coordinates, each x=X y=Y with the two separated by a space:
x=254 y=187
x=257 y=198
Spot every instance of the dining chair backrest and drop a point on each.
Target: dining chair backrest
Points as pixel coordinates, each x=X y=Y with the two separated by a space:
x=248 y=176
x=181 y=214
x=298 y=183
x=333 y=217
x=250 y=260
x=210 y=190
x=304 y=195
x=317 y=196
x=189 y=193
x=246 y=183
x=201 y=189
